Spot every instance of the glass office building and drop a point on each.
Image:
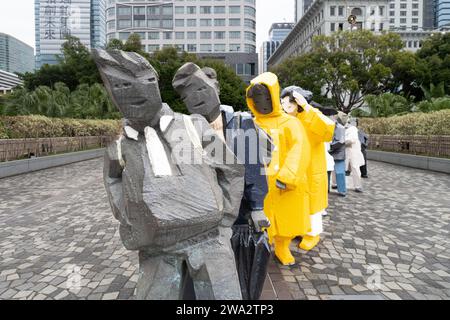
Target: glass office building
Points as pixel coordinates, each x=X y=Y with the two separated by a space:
x=442 y=10
x=15 y=55
x=55 y=20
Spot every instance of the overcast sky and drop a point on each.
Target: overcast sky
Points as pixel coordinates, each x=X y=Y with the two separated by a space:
x=17 y=17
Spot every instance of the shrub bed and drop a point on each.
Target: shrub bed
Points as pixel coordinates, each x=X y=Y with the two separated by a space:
x=20 y=127
x=423 y=124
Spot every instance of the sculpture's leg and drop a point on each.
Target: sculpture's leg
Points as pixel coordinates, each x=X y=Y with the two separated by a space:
x=159 y=277
x=282 y=251
x=311 y=240
x=215 y=278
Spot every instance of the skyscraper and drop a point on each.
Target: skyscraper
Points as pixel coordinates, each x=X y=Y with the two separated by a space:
x=442 y=11
x=428 y=14
x=277 y=33
x=98 y=23
x=15 y=55
x=224 y=30
x=56 y=19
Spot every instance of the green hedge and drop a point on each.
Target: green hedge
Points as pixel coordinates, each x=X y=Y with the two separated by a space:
x=19 y=127
x=426 y=124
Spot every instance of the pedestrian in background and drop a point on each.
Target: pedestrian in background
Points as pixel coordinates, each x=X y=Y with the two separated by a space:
x=353 y=156
x=364 y=140
x=337 y=150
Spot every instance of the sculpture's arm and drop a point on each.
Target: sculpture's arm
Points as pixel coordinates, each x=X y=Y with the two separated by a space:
x=320 y=127
x=230 y=174
x=256 y=187
x=296 y=157
x=112 y=176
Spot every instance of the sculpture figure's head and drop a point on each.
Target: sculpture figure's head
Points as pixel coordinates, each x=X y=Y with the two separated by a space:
x=263 y=96
x=289 y=92
x=132 y=84
x=198 y=89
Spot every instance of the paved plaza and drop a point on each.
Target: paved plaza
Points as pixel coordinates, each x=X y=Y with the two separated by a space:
x=58 y=240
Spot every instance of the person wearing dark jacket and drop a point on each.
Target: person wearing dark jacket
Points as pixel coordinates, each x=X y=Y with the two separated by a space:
x=252 y=148
x=337 y=150
x=364 y=139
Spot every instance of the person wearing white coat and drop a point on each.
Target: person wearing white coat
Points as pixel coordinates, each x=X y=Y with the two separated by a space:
x=353 y=155
x=330 y=168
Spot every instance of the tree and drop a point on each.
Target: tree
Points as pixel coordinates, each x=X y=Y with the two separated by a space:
x=346 y=66
x=387 y=104
x=133 y=44
x=406 y=69
x=86 y=102
x=435 y=56
x=114 y=44
x=77 y=59
x=232 y=88
x=75 y=66
x=167 y=62
x=305 y=71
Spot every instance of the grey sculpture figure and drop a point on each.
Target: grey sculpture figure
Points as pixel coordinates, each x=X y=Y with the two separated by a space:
x=199 y=90
x=169 y=210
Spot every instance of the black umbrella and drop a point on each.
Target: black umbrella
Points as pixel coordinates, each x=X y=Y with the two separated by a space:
x=252 y=254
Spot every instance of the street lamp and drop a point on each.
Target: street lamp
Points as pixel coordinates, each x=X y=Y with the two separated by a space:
x=352 y=21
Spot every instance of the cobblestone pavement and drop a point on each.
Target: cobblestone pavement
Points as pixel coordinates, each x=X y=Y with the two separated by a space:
x=392 y=242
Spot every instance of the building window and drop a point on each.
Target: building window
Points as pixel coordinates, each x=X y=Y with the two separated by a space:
x=167 y=10
x=192 y=48
x=234 y=9
x=219 y=35
x=153 y=35
x=153 y=11
x=205 y=22
x=205 y=35
x=219 y=22
x=191 y=10
x=235 y=34
x=234 y=22
x=219 y=9
x=205 y=48
x=357 y=12
x=205 y=10
x=332 y=11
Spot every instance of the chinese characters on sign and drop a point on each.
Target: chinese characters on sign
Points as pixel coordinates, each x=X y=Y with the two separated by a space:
x=56 y=14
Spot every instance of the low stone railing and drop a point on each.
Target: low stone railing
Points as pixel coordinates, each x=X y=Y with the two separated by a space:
x=16 y=149
x=432 y=146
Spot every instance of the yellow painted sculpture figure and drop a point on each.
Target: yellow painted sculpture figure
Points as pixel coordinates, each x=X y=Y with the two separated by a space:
x=320 y=129
x=287 y=202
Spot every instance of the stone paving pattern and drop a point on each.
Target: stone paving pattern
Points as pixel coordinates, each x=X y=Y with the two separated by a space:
x=58 y=221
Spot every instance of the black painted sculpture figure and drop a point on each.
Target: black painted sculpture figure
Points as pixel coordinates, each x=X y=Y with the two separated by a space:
x=199 y=90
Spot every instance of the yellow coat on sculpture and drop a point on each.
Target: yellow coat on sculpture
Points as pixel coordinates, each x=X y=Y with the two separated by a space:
x=320 y=129
x=288 y=210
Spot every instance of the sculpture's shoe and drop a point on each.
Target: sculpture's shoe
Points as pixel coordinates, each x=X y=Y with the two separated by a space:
x=282 y=251
x=309 y=242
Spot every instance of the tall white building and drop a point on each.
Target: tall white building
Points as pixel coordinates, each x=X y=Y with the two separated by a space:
x=328 y=16
x=221 y=29
x=301 y=6
x=406 y=14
